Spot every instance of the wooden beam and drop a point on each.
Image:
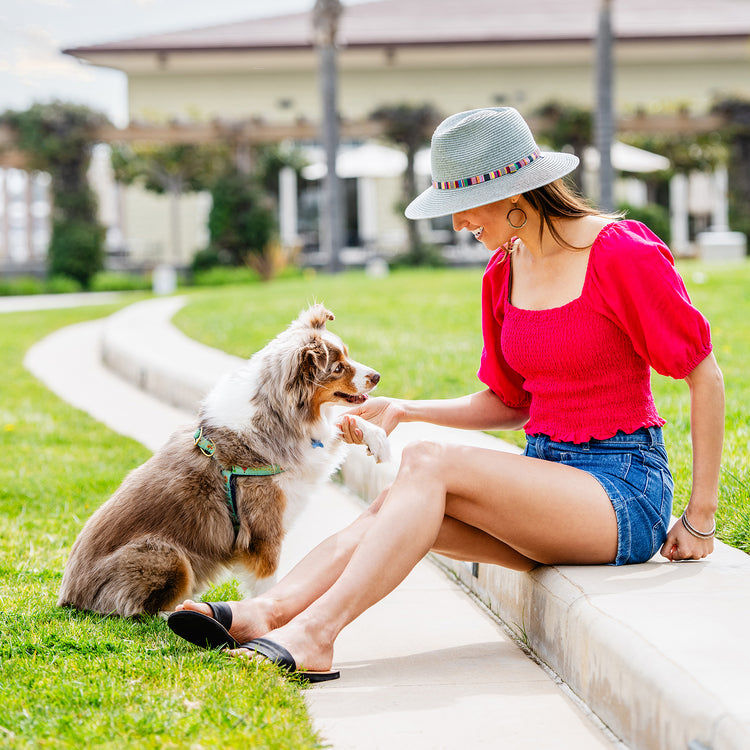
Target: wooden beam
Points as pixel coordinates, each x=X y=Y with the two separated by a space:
x=677 y=124
x=257 y=131
x=13 y=159
x=246 y=131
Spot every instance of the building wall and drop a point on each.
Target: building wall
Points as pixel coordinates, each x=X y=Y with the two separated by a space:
x=647 y=75
x=148 y=232
x=283 y=87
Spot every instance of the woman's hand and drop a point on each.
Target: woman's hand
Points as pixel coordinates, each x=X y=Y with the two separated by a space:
x=381 y=411
x=682 y=545
x=707 y=433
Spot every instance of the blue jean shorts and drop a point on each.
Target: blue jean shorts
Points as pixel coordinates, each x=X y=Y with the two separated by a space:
x=634 y=471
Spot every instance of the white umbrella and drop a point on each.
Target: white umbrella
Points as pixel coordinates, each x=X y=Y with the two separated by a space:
x=627 y=158
x=368 y=160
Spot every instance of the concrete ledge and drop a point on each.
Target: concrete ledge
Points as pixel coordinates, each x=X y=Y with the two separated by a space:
x=141 y=346
x=658 y=651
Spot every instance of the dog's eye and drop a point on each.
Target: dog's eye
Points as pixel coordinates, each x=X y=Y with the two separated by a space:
x=338 y=369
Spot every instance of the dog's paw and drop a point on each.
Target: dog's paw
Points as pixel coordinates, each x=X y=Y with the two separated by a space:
x=376 y=441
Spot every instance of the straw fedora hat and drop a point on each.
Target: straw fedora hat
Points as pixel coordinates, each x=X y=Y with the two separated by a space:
x=482 y=156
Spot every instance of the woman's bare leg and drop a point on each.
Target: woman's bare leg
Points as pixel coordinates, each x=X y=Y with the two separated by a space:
x=306 y=581
x=321 y=567
x=544 y=511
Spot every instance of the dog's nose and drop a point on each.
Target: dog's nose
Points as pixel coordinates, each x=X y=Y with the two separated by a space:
x=374 y=377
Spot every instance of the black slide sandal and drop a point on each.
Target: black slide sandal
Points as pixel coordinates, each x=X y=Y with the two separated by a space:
x=278 y=655
x=202 y=630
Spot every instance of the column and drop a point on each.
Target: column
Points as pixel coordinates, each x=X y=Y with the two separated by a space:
x=678 y=214
x=288 y=207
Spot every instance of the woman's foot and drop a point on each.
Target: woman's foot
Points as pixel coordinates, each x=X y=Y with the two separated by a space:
x=311 y=651
x=251 y=618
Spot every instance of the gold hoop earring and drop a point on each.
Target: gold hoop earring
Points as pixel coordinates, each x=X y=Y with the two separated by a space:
x=523 y=221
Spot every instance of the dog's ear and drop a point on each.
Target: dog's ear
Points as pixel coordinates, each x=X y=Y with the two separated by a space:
x=311 y=361
x=314 y=317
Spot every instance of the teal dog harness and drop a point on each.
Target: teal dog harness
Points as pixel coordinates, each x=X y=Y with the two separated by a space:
x=208 y=448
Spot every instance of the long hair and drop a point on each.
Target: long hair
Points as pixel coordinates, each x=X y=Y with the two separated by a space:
x=558 y=200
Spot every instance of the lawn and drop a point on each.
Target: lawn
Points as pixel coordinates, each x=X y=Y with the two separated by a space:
x=421 y=330
x=69 y=679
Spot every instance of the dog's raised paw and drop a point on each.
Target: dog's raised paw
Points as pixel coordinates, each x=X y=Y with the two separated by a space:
x=377 y=443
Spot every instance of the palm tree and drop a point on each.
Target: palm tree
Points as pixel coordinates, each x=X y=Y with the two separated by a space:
x=604 y=107
x=326 y=15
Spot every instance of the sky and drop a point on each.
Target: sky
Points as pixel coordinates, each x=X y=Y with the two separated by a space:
x=32 y=33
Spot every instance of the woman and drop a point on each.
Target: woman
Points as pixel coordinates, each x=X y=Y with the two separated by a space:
x=576 y=309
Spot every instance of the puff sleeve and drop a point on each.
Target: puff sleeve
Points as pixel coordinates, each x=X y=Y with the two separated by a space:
x=494 y=371
x=634 y=283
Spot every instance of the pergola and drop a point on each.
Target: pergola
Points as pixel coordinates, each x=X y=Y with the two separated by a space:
x=247 y=133
x=243 y=135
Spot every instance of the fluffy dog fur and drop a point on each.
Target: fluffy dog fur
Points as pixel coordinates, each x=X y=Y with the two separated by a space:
x=167 y=531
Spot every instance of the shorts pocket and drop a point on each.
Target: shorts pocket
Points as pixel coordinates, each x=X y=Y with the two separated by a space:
x=615 y=464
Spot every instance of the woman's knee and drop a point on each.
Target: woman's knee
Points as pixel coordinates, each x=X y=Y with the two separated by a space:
x=424 y=457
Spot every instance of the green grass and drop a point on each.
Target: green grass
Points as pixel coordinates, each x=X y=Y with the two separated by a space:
x=69 y=679
x=421 y=330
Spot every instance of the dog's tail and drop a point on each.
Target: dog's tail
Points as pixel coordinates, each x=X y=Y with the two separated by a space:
x=146 y=576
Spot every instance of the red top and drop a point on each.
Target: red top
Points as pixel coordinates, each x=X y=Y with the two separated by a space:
x=583 y=368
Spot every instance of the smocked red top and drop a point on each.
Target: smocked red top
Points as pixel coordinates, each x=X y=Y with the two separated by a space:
x=583 y=369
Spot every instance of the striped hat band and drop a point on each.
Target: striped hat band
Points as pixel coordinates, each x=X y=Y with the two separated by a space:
x=509 y=169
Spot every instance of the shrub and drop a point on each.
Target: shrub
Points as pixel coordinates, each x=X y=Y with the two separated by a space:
x=242 y=222
x=206 y=259
x=117 y=281
x=58 y=138
x=61 y=285
x=21 y=285
x=224 y=275
x=76 y=250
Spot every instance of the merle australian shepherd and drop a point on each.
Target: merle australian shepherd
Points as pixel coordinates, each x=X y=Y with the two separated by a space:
x=221 y=493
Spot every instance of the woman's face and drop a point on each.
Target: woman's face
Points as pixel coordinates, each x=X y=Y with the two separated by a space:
x=487 y=223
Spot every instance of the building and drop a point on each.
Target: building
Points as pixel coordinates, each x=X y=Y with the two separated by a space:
x=668 y=54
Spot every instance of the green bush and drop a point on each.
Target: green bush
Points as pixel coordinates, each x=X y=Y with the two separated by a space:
x=223 y=275
x=21 y=285
x=26 y=285
x=76 y=250
x=242 y=222
x=119 y=281
x=421 y=254
x=61 y=285
x=57 y=138
x=205 y=259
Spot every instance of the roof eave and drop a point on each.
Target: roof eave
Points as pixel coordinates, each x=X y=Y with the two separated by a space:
x=393 y=44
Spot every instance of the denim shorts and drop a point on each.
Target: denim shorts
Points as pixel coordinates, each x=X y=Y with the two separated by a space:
x=634 y=471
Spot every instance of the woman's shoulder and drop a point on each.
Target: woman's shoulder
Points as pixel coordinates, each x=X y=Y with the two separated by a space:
x=626 y=246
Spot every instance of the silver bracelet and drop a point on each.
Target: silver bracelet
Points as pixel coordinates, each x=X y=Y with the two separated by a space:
x=699 y=534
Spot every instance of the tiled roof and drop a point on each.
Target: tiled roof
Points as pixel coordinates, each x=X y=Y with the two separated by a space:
x=430 y=22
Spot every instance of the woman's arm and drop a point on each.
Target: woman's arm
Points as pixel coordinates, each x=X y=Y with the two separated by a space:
x=477 y=411
x=707 y=431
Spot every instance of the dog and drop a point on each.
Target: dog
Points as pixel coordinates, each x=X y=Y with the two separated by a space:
x=221 y=493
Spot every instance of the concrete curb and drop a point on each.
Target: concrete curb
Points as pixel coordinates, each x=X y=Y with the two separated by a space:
x=657 y=651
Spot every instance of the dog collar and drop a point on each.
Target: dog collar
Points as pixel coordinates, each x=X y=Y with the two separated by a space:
x=207 y=447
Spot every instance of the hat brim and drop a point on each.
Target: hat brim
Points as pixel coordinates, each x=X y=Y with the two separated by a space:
x=433 y=202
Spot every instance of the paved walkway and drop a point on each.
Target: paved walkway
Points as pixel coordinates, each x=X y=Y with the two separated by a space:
x=56 y=301
x=659 y=650
x=425 y=668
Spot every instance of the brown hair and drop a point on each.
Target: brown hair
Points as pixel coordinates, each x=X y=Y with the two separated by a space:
x=558 y=200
